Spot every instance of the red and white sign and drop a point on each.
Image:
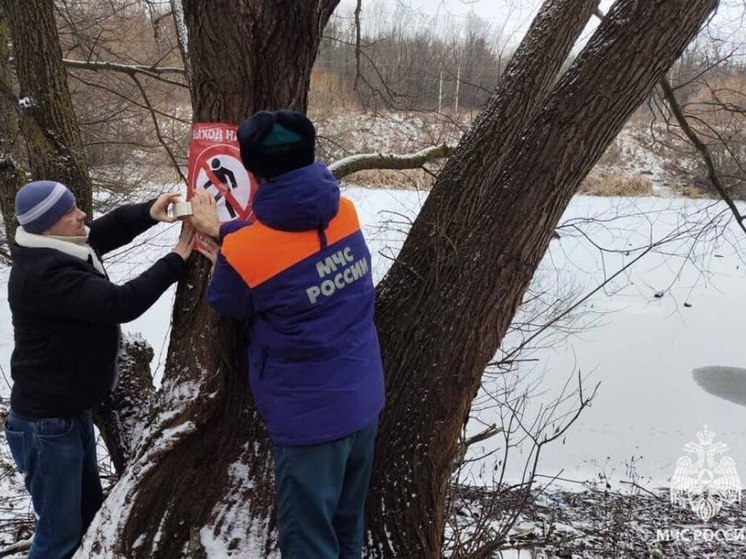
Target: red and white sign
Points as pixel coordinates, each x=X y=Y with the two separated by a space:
x=215 y=166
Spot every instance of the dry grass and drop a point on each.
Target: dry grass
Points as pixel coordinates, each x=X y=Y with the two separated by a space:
x=688 y=191
x=617 y=185
x=329 y=92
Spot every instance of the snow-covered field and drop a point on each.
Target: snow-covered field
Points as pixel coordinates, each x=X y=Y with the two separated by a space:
x=676 y=308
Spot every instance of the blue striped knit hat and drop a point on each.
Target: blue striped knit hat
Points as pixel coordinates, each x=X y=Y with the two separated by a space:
x=40 y=204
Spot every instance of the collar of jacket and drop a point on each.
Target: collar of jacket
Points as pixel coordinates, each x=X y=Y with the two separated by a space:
x=82 y=251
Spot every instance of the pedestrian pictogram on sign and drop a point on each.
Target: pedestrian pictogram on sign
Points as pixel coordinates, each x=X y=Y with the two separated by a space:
x=215 y=166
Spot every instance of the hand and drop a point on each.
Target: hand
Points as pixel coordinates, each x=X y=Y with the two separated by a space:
x=205 y=214
x=159 y=209
x=208 y=247
x=186 y=241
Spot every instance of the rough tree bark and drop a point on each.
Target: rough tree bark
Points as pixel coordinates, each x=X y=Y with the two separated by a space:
x=121 y=417
x=12 y=174
x=51 y=131
x=200 y=479
x=449 y=298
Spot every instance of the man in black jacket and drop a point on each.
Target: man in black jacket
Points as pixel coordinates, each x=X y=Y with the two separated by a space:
x=66 y=316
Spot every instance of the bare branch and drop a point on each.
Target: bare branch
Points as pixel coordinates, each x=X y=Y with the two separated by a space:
x=367 y=161
x=489 y=432
x=124 y=97
x=464 y=444
x=358 y=41
x=702 y=149
x=129 y=69
x=157 y=128
x=699 y=145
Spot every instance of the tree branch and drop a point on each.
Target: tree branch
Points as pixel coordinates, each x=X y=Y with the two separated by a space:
x=122 y=416
x=157 y=128
x=489 y=432
x=358 y=42
x=367 y=161
x=124 y=97
x=182 y=35
x=464 y=444
x=702 y=148
x=129 y=69
x=699 y=145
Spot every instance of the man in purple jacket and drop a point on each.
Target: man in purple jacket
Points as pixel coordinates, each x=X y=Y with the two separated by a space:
x=301 y=275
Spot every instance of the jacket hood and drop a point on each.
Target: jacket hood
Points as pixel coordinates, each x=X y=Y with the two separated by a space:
x=302 y=200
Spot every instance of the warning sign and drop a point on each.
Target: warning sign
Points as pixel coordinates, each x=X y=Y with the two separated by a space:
x=215 y=166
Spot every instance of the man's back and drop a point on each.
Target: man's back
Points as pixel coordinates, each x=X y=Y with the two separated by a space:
x=314 y=358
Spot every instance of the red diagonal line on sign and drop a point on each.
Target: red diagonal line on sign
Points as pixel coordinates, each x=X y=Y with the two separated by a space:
x=225 y=191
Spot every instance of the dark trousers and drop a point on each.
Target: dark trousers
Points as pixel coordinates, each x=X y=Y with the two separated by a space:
x=321 y=491
x=58 y=459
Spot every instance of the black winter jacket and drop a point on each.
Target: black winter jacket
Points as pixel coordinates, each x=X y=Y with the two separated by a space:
x=66 y=317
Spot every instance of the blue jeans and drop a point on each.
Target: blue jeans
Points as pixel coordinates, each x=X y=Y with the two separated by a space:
x=321 y=491
x=58 y=459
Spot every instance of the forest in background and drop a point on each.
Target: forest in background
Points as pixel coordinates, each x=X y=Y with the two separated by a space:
x=396 y=86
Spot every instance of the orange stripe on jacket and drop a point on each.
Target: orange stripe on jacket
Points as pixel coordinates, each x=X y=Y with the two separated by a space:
x=258 y=252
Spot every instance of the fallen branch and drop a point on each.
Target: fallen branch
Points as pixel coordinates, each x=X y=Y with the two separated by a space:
x=18 y=547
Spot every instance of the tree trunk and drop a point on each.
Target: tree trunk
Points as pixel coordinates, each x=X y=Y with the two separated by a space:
x=202 y=474
x=52 y=134
x=51 y=130
x=12 y=175
x=122 y=415
x=448 y=300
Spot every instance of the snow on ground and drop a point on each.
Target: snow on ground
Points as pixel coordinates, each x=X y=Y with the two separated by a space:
x=641 y=336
